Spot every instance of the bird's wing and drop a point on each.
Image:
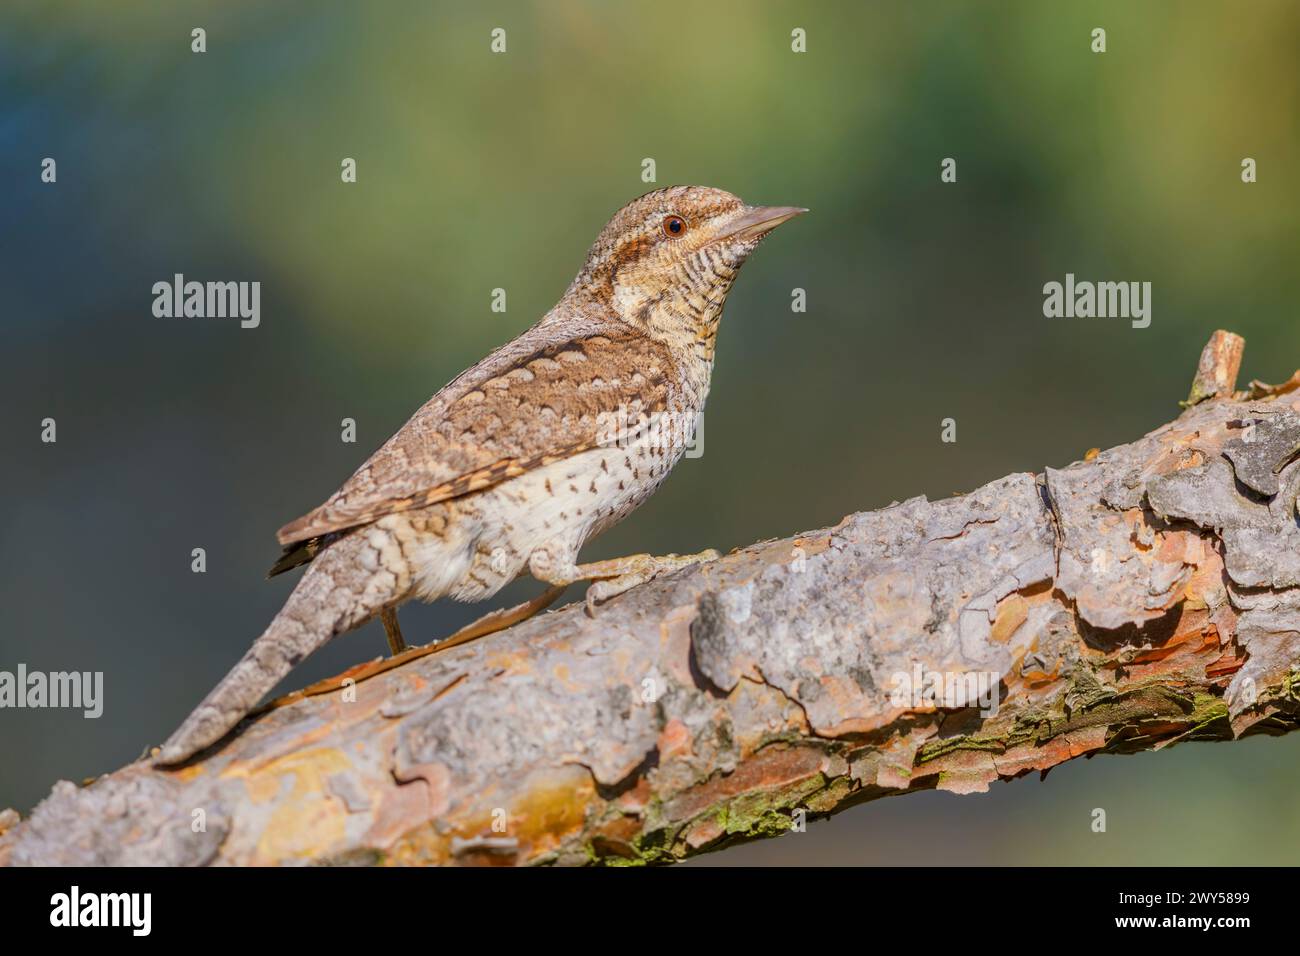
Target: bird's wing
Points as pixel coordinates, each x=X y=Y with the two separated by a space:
x=538 y=400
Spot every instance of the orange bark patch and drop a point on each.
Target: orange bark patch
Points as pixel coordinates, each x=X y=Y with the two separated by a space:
x=771 y=769
x=1011 y=613
x=307 y=820
x=705 y=830
x=1028 y=756
x=674 y=740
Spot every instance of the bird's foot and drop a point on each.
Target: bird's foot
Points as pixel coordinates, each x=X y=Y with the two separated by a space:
x=611 y=578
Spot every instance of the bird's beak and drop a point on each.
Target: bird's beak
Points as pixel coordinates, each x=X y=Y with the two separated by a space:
x=757 y=221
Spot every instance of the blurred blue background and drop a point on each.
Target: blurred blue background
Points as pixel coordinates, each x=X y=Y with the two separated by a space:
x=478 y=171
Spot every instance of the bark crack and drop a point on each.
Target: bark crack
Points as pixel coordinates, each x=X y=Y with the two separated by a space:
x=1142 y=597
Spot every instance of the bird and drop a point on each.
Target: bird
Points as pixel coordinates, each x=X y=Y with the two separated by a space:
x=524 y=457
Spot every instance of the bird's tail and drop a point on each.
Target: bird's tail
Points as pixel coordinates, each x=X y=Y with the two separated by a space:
x=340 y=591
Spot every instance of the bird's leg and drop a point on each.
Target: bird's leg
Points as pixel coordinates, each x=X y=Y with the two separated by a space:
x=396 y=643
x=614 y=576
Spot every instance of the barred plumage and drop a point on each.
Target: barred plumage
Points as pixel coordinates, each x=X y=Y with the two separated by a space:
x=524 y=457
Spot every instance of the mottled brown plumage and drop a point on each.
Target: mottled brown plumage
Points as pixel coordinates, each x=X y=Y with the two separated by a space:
x=527 y=455
x=520 y=408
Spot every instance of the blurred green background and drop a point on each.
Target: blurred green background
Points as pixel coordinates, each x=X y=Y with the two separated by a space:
x=478 y=171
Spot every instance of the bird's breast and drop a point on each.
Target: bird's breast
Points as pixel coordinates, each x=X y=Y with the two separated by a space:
x=566 y=503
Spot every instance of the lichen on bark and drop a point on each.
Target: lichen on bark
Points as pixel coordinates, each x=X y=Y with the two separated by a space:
x=1146 y=596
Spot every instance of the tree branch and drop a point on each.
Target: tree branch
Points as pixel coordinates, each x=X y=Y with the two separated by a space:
x=1146 y=596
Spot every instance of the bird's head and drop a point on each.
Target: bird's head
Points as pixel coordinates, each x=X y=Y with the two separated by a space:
x=666 y=261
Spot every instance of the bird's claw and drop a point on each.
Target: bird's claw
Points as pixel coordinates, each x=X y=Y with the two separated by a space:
x=644 y=570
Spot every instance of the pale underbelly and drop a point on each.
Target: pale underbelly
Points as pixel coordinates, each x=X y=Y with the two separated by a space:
x=557 y=507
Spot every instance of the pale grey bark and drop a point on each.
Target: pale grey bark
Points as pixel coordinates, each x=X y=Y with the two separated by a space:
x=1146 y=596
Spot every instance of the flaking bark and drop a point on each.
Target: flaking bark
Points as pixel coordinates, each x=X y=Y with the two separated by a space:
x=1143 y=597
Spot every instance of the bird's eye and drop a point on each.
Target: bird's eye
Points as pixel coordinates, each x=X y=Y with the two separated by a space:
x=674 y=226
